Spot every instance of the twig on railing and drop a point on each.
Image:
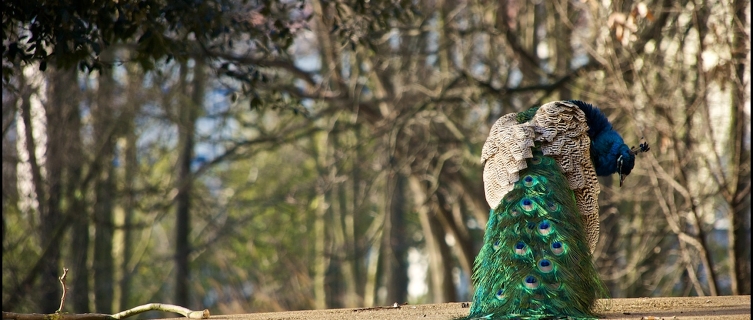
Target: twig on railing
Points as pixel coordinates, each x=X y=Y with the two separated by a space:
x=62 y=283
x=163 y=307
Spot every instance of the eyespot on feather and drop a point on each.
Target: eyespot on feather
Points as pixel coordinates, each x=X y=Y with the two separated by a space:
x=545 y=228
x=528 y=181
x=545 y=266
x=557 y=248
x=531 y=283
x=526 y=204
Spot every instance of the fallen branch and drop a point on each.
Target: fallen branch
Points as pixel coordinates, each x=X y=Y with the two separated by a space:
x=62 y=283
x=163 y=307
x=191 y=314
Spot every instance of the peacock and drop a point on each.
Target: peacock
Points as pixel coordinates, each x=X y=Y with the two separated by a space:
x=540 y=169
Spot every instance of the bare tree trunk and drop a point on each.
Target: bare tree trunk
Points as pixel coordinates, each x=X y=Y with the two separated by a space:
x=48 y=223
x=188 y=113
x=701 y=15
x=182 y=216
x=54 y=162
x=520 y=40
x=78 y=294
x=320 y=246
x=372 y=268
x=442 y=289
x=339 y=273
x=104 y=190
x=129 y=200
x=564 y=20
x=338 y=270
x=67 y=101
x=395 y=246
x=453 y=225
x=342 y=218
x=539 y=36
x=352 y=221
x=739 y=232
x=354 y=276
x=319 y=206
x=104 y=275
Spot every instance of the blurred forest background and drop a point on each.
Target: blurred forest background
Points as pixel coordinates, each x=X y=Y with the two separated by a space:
x=248 y=156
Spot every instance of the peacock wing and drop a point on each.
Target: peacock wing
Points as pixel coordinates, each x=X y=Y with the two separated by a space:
x=503 y=155
x=562 y=130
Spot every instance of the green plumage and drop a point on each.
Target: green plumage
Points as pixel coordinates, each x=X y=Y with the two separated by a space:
x=527 y=115
x=535 y=262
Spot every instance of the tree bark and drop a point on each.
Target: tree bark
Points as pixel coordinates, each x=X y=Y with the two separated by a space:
x=78 y=294
x=188 y=113
x=739 y=232
x=564 y=21
x=441 y=286
x=69 y=123
x=353 y=220
x=51 y=216
x=320 y=206
x=48 y=223
x=344 y=241
x=395 y=246
x=105 y=193
x=129 y=200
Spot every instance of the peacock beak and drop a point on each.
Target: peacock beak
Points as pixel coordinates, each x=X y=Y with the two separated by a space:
x=622 y=178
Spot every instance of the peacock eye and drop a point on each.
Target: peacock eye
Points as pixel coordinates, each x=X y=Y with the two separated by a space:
x=619 y=170
x=619 y=164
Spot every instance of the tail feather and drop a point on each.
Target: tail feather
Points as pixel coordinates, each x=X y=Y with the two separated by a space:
x=535 y=262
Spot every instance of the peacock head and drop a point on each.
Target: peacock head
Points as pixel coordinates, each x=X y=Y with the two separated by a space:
x=612 y=155
x=625 y=162
x=626 y=158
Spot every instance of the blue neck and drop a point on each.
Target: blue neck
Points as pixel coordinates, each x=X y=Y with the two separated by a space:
x=597 y=121
x=606 y=144
x=605 y=149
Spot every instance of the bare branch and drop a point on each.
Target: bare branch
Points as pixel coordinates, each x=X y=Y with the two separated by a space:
x=62 y=283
